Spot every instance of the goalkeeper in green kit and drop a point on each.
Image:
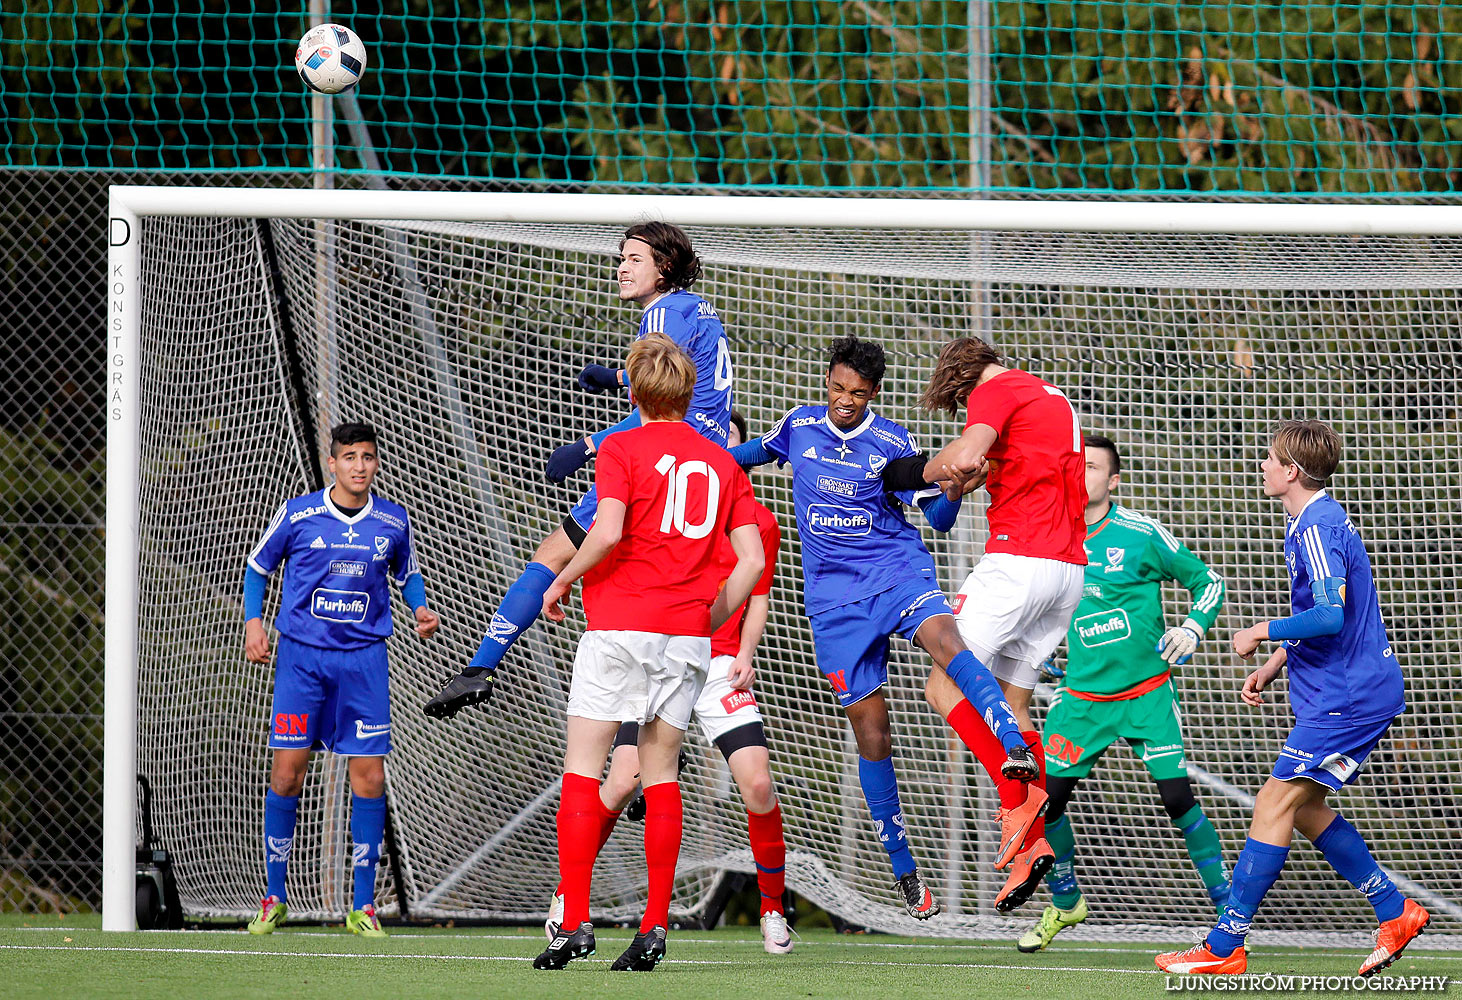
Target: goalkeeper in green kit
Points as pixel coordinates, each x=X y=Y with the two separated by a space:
x=1118 y=683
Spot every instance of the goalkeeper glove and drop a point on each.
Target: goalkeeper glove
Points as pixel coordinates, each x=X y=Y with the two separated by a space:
x=598 y=378
x=1050 y=672
x=473 y=686
x=1178 y=643
x=568 y=459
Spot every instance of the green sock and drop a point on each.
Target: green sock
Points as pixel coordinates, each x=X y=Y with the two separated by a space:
x=1062 y=880
x=1205 y=852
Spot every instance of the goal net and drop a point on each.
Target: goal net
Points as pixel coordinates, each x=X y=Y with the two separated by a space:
x=460 y=341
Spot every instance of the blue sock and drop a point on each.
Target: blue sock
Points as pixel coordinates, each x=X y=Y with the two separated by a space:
x=1255 y=872
x=280 y=812
x=519 y=610
x=978 y=684
x=881 y=790
x=1065 y=890
x=367 y=830
x=1347 y=853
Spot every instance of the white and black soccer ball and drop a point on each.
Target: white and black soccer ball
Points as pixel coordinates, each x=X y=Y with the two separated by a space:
x=330 y=58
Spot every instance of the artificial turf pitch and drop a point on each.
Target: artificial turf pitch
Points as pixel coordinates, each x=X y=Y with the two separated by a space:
x=46 y=956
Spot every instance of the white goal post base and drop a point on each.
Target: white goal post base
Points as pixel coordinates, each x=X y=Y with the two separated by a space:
x=455 y=322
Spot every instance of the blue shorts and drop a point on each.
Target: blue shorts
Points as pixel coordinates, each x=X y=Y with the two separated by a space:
x=851 y=641
x=1333 y=757
x=338 y=699
x=582 y=513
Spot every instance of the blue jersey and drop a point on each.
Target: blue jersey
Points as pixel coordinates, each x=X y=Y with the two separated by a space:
x=692 y=323
x=336 y=567
x=855 y=542
x=1349 y=678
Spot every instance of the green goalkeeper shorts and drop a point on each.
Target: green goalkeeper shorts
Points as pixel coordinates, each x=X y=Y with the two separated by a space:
x=1079 y=731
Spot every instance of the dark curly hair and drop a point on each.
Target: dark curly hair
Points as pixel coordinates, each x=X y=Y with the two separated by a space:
x=956 y=373
x=677 y=263
x=863 y=356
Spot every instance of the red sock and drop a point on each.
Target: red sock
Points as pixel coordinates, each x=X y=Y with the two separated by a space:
x=770 y=853
x=607 y=819
x=1033 y=740
x=663 y=818
x=965 y=720
x=579 y=828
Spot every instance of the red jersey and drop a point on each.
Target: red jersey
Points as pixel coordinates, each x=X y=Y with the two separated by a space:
x=727 y=639
x=1037 y=480
x=682 y=494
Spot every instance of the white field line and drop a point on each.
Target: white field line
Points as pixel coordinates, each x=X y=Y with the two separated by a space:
x=756 y=942
x=130 y=949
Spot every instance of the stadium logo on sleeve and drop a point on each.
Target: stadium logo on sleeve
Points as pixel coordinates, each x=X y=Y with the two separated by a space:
x=300 y=515
x=831 y=520
x=339 y=605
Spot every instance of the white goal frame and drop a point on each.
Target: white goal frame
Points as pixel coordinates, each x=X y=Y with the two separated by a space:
x=130 y=204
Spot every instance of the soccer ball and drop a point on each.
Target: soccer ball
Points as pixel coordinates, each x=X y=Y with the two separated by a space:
x=330 y=58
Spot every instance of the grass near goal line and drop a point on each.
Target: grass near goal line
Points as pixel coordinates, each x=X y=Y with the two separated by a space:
x=50 y=957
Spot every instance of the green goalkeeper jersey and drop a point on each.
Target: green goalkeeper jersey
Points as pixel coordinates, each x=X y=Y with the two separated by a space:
x=1112 y=644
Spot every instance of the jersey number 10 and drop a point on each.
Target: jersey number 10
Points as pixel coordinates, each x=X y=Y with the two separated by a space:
x=677 y=485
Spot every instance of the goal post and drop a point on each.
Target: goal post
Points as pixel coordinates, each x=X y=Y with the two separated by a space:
x=1182 y=330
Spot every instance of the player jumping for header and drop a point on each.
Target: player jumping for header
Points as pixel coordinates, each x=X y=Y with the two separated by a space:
x=669 y=500
x=1345 y=688
x=868 y=576
x=331 y=683
x=1014 y=607
x=657 y=267
x=1118 y=683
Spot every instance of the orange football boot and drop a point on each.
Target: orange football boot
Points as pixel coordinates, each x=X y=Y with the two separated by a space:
x=1199 y=961
x=1393 y=936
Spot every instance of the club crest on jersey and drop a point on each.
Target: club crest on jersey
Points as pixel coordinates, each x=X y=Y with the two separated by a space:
x=877 y=462
x=383 y=546
x=1114 y=559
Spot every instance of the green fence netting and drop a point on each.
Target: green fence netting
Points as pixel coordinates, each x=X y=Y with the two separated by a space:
x=859 y=95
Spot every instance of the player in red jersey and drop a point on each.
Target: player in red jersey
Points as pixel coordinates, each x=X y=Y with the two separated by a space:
x=1023 y=435
x=668 y=500
x=728 y=715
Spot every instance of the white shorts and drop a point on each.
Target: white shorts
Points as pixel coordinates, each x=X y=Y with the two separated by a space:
x=622 y=676
x=1013 y=611
x=722 y=708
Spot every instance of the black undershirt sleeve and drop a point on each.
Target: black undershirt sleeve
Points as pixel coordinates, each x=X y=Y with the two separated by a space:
x=906 y=473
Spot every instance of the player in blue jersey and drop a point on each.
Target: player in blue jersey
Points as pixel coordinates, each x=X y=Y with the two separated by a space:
x=657 y=267
x=867 y=576
x=339 y=547
x=1345 y=688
